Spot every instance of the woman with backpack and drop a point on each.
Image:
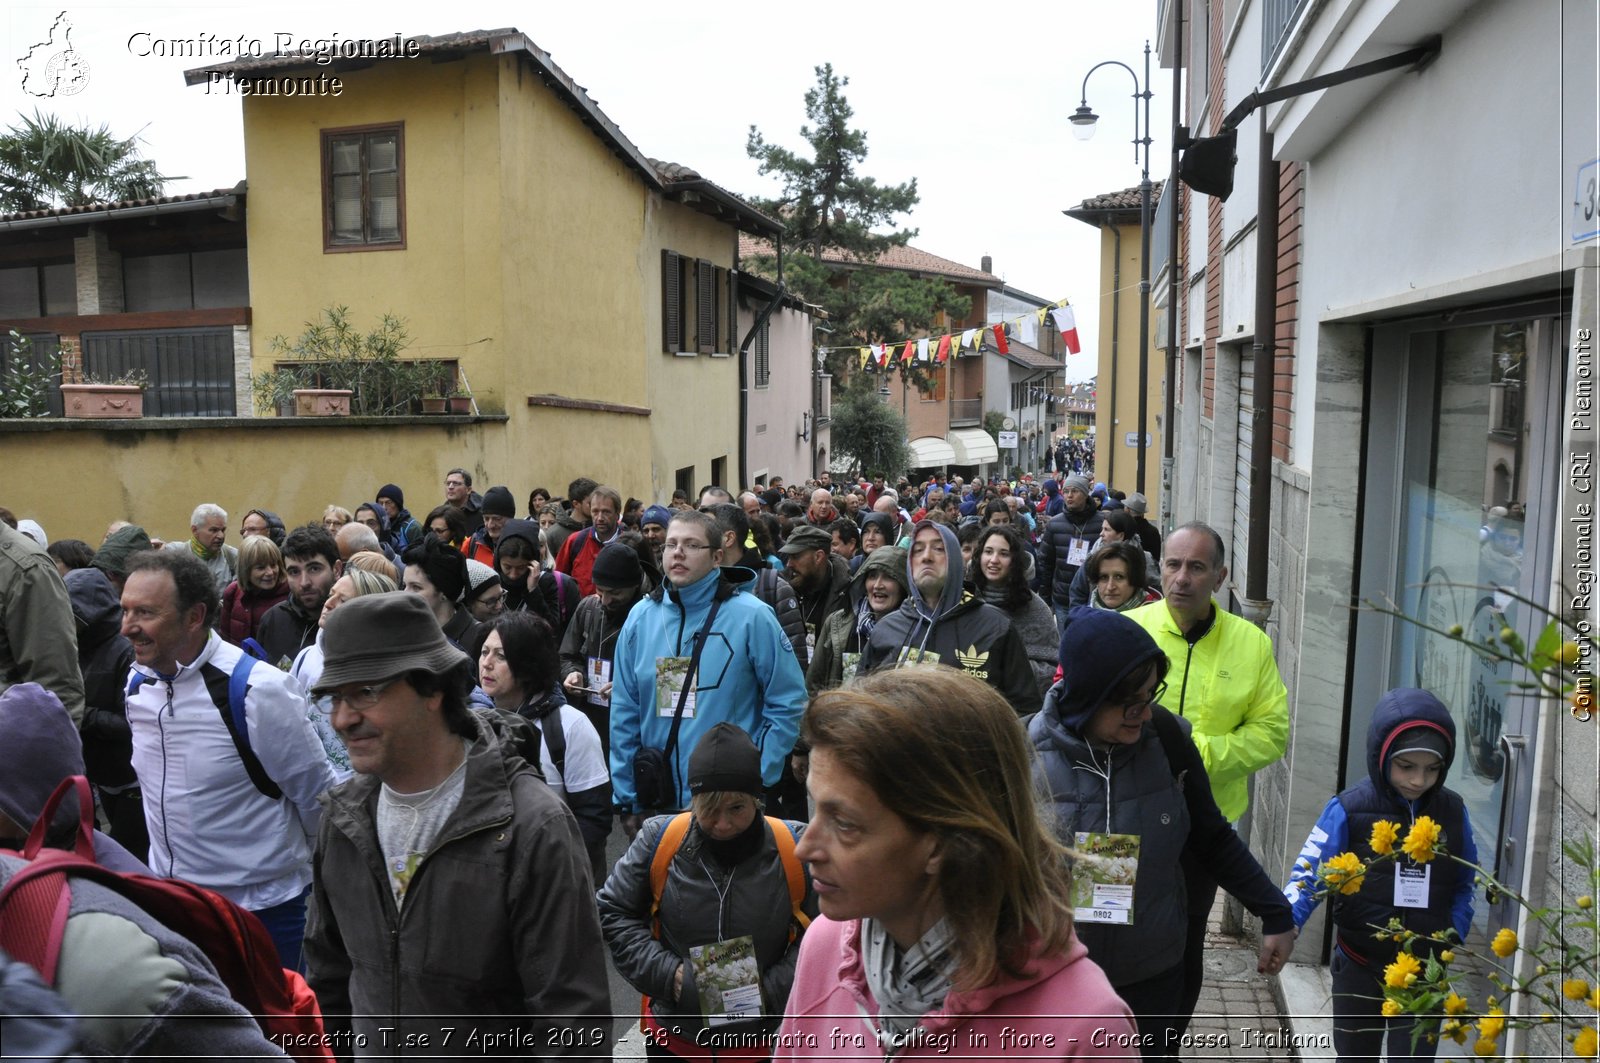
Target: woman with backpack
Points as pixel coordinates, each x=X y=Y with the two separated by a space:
x=519 y=668
x=704 y=913
x=1133 y=801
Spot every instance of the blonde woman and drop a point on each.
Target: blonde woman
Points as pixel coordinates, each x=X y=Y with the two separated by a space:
x=262 y=583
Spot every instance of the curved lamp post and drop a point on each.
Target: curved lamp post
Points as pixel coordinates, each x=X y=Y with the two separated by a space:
x=1083 y=122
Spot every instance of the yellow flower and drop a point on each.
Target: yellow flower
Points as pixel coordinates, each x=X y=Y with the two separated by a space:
x=1457 y=1031
x=1391 y=1008
x=1402 y=972
x=1421 y=839
x=1447 y=956
x=1455 y=1004
x=1583 y=1045
x=1504 y=943
x=1575 y=989
x=1586 y=902
x=1344 y=873
x=1384 y=835
x=1484 y=1047
x=1594 y=998
x=1492 y=1024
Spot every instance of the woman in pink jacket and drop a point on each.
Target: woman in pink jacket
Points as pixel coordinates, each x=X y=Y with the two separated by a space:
x=945 y=930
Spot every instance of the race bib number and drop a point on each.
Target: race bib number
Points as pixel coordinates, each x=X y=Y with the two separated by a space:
x=1104 y=869
x=1411 y=886
x=852 y=666
x=596 y=676
x=1078 y=552
x=670 y=674
x=729 y=980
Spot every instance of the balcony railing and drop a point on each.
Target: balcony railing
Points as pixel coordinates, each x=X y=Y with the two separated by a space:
x=1276 y=18
x=966 y=412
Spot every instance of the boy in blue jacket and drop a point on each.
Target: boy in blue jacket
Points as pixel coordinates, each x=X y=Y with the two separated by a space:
x=1410 y=745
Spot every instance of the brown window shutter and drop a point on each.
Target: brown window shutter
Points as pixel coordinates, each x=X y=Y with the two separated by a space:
x=733 y=313
x=671 y=303
x=705 y=288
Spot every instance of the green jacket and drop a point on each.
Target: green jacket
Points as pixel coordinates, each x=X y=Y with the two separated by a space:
x=1227 y=685
x=38 y=636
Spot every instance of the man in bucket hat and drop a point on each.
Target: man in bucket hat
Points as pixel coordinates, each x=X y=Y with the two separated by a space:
x=500 y=940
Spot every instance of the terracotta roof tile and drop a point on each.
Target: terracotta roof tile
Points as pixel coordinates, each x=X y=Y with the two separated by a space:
x=910 y=259
x=1126 y=199
x=468 y=40
x=148 y=201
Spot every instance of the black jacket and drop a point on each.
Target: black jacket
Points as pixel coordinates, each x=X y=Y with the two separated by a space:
x=770 y=586
x=959 y=630
x=104 y=658
x=285 y=630
x=817 y=605
x=1055 y=547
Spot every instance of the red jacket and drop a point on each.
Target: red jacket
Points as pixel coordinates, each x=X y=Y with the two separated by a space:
x=242 y=610
x=577 y=556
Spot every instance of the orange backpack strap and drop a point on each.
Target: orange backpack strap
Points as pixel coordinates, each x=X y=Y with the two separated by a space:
x=666 y=849
x=791 y=868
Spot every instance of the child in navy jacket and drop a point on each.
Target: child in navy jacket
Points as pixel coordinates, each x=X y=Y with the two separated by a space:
x=1410 y=745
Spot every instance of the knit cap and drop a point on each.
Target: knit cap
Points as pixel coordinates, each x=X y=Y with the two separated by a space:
x=445 y=568
x=497 y=502
x=1099 y=649
x=1077 y=482
x=617 y=566
x=656 y=515
x=479 y=577
x=393 y=493
x=725 y=761
x=1420 y=738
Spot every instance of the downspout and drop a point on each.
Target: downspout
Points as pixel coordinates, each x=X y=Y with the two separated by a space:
x=1257 y=606
x=744 y=372
x=1116 y=321
x=1180 y=136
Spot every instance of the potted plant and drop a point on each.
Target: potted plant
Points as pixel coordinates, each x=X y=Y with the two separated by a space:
x=117 y=396
x=460 y=402
x=322 y=402
x=435 y=381
x=331 y=356
x=28 y=376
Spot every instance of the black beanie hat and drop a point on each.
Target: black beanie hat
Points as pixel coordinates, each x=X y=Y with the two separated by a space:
x=725 y=761
x=1419 y=738
x=617 y=565
x=497 y=502
x=445 y=568
x=393 y=493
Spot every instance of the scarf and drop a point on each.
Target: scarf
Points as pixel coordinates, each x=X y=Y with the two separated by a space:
x=740 y=847
x=201 y=552
x=995 y=595
x=865 y=618
x=906 y=987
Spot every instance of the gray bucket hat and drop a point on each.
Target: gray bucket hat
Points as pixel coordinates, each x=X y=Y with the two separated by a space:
x=380 y=636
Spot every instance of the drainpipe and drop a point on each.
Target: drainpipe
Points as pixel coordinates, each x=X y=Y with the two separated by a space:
x=1116 y=321
x=744 y=372
x=1180 y=137
x=1264 y=348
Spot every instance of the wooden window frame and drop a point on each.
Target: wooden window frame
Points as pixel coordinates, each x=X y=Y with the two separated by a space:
x=329 y=245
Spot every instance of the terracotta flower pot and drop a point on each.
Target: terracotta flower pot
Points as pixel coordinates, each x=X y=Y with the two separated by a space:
x=102 y=400
x=437 y=404
x=460 y=403
x=322 y=402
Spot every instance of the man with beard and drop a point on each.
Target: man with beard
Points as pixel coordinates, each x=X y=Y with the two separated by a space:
x=591 y=639
x=821 y=581
x=942 y=622
x=311 y=559
x=577 y=555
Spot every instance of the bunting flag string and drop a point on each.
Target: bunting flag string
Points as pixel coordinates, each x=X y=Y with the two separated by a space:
x=929 y=350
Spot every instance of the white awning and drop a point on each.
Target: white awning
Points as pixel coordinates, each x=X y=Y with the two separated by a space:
x=930 y=451
x=972 y=446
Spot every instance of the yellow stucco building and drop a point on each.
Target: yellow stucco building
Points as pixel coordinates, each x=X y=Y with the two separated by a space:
x=1116 y=417
x=470 y=187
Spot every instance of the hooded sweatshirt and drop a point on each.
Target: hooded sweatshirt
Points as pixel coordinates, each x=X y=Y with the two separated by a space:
x=1062 y=995
x=556 y=594
x=1152 y=789
x=104 y=658
x=846 y=631
x=1346 y=826
x=42 y=749
x=957 y=630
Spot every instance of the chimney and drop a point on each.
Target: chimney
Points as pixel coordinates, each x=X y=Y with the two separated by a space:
x=986 y=264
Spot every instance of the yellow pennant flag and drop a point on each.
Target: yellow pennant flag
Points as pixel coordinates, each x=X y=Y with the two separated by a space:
x=863 y=353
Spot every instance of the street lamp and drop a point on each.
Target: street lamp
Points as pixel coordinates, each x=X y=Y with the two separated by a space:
x=1083 y=122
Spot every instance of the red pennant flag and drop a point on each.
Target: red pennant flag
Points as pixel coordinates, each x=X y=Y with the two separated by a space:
x=910 y=352
x=1000 y=338
x=944 y=349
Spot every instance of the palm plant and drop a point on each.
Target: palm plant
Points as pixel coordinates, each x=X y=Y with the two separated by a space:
x=47 y=163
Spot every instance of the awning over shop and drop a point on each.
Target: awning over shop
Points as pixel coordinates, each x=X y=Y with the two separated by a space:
x=930 y=451
x=972 y=446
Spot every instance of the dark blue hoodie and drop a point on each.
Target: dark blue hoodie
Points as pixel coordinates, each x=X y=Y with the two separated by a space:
x=1346 y=826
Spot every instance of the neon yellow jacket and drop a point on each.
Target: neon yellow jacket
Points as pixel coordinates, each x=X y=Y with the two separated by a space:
x=1228 y=686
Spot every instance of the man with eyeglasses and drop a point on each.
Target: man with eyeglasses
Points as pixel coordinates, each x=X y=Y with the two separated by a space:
x=1224 y=680
x=230 y=798
x=458 y=492
x=703 y=651
x=481 y=920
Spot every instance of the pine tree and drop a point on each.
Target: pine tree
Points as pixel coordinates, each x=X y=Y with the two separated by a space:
x=827 y=204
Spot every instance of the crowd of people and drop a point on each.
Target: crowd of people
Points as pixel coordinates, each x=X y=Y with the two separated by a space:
x=910 y=768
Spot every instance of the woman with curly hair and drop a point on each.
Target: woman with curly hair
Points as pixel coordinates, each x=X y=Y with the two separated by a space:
x=999 y=575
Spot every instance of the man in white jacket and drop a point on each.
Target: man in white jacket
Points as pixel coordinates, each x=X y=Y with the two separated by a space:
x=228 y=763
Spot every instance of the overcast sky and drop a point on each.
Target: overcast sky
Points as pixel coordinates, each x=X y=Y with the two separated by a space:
x=971 y=101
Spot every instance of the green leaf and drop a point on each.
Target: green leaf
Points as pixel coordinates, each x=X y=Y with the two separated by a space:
x=1547 y=648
